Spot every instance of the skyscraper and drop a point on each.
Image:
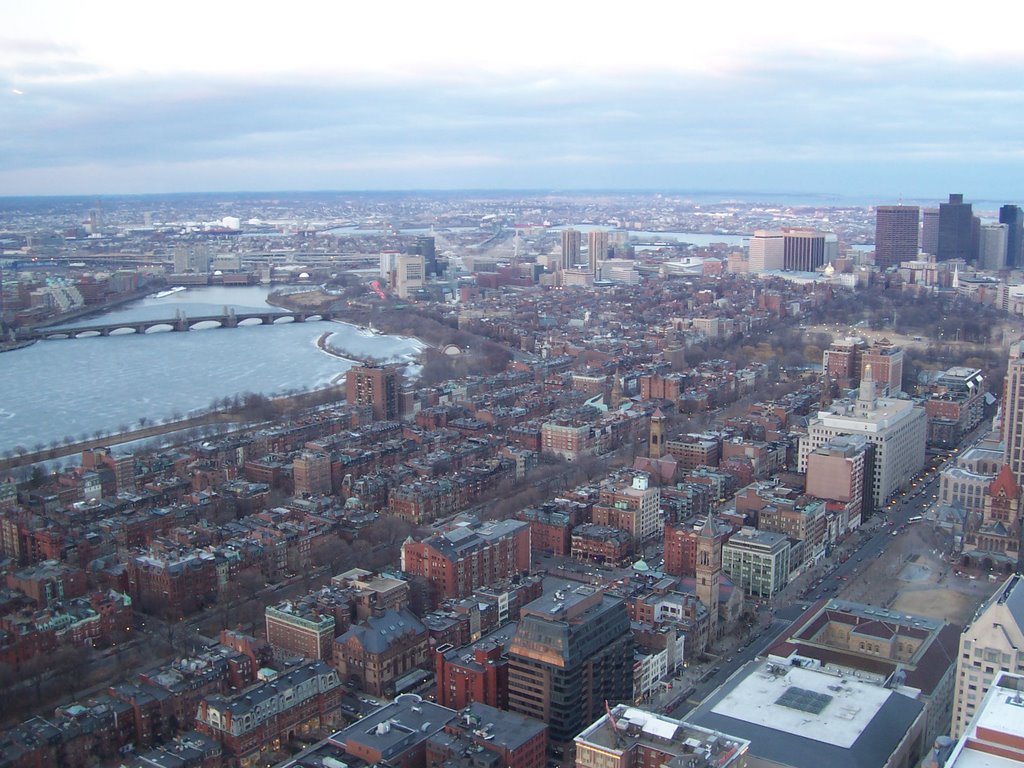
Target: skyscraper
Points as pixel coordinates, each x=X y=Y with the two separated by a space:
x=1013 y=411
x=956 y=230
x=803 y=250
x=572 y=652
x=791 y=249
x=930 y=231
x=896 y=234
x=766 y=251
x=992 y=246
x=1013 y=218
x=571 y=242
x=597 y=249
x=425 y=247
x=992 y=643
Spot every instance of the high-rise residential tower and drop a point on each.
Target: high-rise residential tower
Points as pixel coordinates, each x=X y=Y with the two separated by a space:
x=886 y=362
x=956 y=230
x=597 y=249
x=571 y=242
x=896 y=234
x=375 y=386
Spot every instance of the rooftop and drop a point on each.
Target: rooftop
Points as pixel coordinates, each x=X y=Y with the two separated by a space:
x=999 y=725
x=507 y=729
x=397 y=726
x=632 y=728
x=802 y=717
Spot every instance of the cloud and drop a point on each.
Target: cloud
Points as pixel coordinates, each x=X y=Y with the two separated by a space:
x=810 y=115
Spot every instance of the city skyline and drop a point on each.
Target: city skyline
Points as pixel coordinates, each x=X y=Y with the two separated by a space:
x=402 y=97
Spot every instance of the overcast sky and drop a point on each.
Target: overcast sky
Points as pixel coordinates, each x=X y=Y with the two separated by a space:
x=879 y=99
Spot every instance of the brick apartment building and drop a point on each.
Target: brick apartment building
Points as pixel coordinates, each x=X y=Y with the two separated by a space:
x=173 y=584
x=458 y=561
x=300 y=630
x=297 y=703
x=471 y=673
x=632 y=505
x=601 y=544
x=692 y=451
x=48 y=582
x=311 y=474
x=375 y=386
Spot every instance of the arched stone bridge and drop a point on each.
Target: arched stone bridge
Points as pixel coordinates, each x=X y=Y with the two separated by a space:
x=181 y=322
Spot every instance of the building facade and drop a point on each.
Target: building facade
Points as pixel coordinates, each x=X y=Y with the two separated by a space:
x=251 y=723
x=375 y=386
x=1013 y=411
x=572 y=652
x=307 y=634
x=458 y=561
x=897 y=428
x=839 y=470
x=758 y=562
x=1013 y=217
x=375 y=653
x=897 y=232
x=992 y=643
x=956 y=230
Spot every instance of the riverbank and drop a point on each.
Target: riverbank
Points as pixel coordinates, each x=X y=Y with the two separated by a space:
x=10 y=346
x=232 y=420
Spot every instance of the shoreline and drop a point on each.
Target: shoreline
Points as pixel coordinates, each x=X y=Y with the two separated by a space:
x=11 y=347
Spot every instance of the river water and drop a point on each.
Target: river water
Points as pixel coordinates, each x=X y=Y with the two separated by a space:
x=76 y=387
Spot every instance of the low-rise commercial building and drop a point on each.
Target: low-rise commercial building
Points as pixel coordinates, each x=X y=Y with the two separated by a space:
x=758 y=562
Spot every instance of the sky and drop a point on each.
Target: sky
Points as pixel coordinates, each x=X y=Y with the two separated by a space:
x=884 y=99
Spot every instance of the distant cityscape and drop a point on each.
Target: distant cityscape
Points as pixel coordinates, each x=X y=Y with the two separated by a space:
x=511 y=480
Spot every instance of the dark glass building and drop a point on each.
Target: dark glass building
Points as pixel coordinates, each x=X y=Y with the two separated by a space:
x=956 y=230
x=426 y=248
x=1013 y=218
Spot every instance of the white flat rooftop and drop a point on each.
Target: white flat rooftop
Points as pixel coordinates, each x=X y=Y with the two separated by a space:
x=969 y=758
x=831 y=709
x=1002 y=714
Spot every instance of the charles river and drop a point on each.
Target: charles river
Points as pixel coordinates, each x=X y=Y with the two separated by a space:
x=76 y=387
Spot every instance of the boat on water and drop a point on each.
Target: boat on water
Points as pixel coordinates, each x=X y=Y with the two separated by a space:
x=168 y=292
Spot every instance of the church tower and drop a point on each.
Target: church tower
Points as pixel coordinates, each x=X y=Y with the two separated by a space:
x=709 y=571
x=656 y=441
x=615 y=399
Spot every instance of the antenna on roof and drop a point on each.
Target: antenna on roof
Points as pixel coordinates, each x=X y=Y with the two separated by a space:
x=615 y=726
